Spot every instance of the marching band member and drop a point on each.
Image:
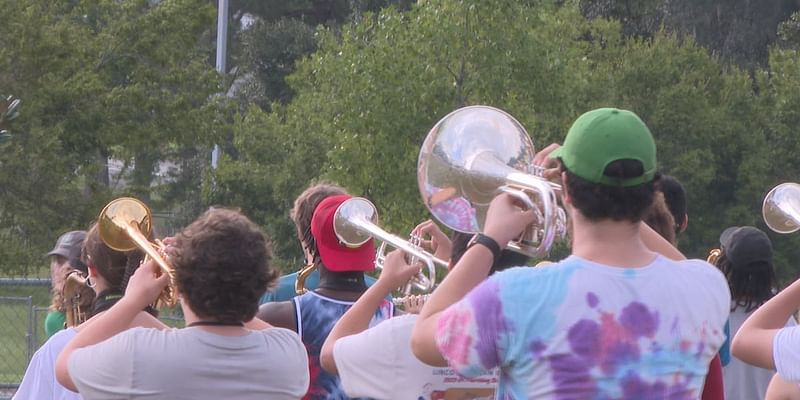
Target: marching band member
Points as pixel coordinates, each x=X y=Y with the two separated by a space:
x=221 y=265
x=66 y=253
x=285 y=290
x=342 y=269
x=107 y=276
x=377 y=362
x=764 y=340
x=613 y=320
x=746 y=261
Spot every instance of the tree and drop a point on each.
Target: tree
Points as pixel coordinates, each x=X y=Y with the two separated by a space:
x=100 y=78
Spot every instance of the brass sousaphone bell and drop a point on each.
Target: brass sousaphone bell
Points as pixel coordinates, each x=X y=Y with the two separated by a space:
x=124 y=225
x=470 y=156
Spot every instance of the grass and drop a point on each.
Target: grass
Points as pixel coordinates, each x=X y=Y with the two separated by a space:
x=14 y=329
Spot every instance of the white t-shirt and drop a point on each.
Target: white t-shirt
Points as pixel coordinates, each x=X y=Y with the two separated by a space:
x=743 y=381
x=192 y=364
x=786 y=353
x=378 y=363
x=39 y=382
x=583 y=330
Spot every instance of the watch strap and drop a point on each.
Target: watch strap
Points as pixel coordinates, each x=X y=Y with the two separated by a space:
x=487 y=242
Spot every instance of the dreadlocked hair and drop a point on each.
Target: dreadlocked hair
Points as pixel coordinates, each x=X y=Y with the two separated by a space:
x=303 y=212
x=751 y=285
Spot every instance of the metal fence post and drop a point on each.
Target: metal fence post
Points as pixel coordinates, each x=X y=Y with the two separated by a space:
x=30 y=335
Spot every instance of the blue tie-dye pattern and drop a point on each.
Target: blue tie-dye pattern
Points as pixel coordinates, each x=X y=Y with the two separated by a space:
x=589 y=349
x=318 y=315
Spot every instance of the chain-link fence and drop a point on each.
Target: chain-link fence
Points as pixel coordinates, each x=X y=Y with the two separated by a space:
x=22 y=328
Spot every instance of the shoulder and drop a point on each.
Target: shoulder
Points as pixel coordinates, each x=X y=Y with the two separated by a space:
x=284 y=344
x=280 y=314
x=700 y=270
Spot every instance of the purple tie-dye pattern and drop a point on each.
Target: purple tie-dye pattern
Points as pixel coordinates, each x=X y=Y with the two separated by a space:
x=488 y=314
x=637 y=320
x=572 y=377
x=537 y=348
x=607 y=347
x=591 y=299
x=584 y=340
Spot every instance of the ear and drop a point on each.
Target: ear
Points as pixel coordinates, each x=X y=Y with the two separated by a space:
x=684 y=224
x=565 y=198
x=92 y=270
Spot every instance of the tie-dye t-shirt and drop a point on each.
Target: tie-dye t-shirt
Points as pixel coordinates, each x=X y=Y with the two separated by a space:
x=316 y=316
x=582 y=330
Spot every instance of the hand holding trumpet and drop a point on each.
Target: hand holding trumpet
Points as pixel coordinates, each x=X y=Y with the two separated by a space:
x=146 y=284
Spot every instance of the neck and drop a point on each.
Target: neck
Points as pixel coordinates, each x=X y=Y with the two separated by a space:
x=613 y=243
x=190 y=317
x=100 y=285
x=350 y=281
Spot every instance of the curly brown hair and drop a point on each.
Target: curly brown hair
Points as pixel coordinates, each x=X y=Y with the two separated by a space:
x=222 y=266
x=303 y=211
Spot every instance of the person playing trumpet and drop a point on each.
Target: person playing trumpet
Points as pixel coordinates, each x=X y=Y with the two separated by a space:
x=313 y=314
x=222 y=266
x=615 y=319
x=377 y=362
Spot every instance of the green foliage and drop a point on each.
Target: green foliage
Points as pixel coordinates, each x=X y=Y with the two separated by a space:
x=365 y=100
x=100 y=78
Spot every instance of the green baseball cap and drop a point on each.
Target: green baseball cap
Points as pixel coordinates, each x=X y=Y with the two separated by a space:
x=602 y=136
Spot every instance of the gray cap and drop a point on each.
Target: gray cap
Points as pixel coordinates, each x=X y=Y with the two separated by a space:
x=743 y=245
x=69 y=245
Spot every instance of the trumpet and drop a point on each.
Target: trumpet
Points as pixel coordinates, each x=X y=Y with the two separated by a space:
x=472 y=154
x=781 y=208
x=355 y=222
x=124 y=225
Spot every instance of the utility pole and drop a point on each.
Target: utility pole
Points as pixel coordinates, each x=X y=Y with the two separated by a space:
x=222 y=50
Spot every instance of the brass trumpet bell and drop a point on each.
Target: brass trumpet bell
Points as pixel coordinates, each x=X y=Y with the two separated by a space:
x=781 y=208
x=472 y=154
x=124 y=225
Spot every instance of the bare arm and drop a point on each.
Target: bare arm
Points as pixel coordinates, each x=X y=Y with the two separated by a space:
x=753 y=342
x=779 y=389
x=658 y=244
x=504 y=221
x=357 y=318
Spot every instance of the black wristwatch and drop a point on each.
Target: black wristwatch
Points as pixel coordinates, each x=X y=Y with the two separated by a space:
x=486 y=241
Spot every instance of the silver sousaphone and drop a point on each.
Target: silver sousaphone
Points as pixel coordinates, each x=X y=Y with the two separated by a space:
x=470 y=156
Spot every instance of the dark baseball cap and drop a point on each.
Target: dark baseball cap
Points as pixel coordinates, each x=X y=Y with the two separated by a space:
x=743 y=245
x=69 y=245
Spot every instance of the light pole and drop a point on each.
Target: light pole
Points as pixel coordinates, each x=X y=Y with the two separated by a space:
x=222 y=47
